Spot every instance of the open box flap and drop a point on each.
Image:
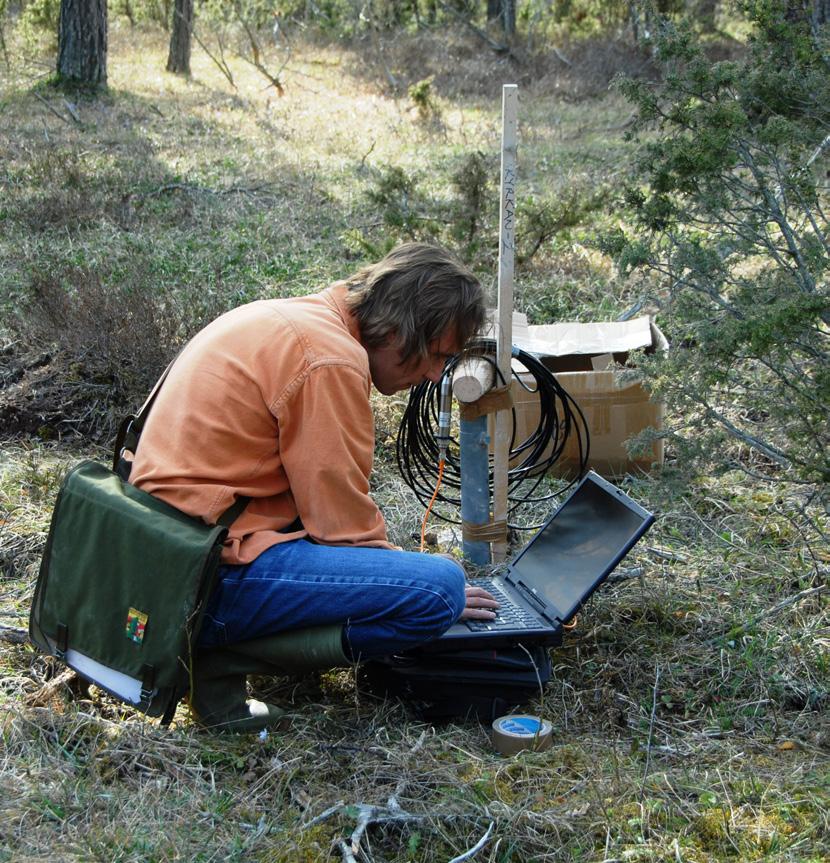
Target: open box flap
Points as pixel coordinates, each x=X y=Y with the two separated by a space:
x=567 y=339
x=570 y=338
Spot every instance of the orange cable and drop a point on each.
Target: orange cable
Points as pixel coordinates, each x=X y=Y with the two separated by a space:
x=429 y=505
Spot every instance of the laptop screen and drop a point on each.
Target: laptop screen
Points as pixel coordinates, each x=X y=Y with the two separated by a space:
x=580 y=545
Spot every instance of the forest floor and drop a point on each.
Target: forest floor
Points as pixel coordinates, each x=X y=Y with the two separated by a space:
x=689 y=705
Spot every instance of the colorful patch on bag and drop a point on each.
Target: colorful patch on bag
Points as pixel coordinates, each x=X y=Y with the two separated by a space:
x=136 y=624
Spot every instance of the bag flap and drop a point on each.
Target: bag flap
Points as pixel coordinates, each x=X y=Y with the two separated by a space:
x=125 y=573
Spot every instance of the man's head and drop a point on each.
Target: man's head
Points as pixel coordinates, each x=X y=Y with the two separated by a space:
x=415 y=309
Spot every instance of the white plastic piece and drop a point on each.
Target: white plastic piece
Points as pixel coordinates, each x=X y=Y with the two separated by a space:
x=116 y=682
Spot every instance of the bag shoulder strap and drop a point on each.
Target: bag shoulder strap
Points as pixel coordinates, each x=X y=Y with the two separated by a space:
x=127 y=439
x=131 y=426
x=230 y=515
x=141 y=416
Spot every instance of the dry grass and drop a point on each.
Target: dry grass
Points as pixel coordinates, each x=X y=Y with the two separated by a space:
x=690 y=705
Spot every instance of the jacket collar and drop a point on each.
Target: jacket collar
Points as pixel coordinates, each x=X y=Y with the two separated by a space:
x=336 y=297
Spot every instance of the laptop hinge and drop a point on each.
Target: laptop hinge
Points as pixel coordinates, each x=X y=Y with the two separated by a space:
x=535 y=601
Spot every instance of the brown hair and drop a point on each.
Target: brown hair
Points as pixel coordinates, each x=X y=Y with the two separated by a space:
x=418 y=292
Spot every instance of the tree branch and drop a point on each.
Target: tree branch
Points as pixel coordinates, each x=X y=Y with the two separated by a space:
x=13 y=635
x=476 y=848
x=220 y=61
x=257 y=55
x=59 y=116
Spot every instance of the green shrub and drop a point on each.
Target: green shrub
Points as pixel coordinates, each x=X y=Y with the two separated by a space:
x=475 y=209
x=404 y=209
x=730 y=219
x=102 y=339
x=545 y=219
x=423 y=98
x=38 y=21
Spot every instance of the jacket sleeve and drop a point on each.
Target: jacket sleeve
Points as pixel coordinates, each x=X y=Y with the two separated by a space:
x=326 y=441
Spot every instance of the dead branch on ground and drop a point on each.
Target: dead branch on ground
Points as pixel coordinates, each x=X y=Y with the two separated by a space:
x=13 y=635
x=44 y=695
x=53 y=110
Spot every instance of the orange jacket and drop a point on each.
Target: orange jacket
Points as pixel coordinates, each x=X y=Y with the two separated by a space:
x=270 y=401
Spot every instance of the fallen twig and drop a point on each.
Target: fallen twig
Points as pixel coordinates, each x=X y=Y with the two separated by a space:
x=325 y=815
x=45 y=693
x=219 y=61
x=368 y=814
x=626 y=574
x=366 y=155
x=655 y=690
x=13 y=634
x=256 y=62
x=666 y=554
x=73 y=111
x=790 y=600
x=785 y=603
x=476 y=848
x=560 y=56
x=53 y=110
x=346 y=851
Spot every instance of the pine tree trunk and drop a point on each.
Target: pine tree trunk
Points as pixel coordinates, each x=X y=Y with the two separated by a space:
x=707 y=11
x=815 y=12
x=504 y=12
x=509 y=16
x=820 y=13
x=178 y=60
x=82 y=41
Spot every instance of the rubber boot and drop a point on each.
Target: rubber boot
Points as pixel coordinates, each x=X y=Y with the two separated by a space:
x=299 y=650
x=218 y=695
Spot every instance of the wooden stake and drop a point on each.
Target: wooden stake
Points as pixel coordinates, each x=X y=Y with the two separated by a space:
x=504 y=330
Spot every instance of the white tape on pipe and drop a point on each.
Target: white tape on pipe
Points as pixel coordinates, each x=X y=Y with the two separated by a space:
x=512 y=734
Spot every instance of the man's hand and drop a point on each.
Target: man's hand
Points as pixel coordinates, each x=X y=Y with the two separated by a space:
x=481 y=605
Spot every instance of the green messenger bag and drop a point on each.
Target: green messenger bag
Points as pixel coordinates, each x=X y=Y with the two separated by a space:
x=123 y=582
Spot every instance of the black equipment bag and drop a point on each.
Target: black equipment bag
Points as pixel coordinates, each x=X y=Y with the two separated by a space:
x=468 y=684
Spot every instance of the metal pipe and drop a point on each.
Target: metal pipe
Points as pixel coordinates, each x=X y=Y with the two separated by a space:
x=475 y=485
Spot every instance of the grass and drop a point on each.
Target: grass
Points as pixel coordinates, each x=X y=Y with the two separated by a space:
x=689 y=705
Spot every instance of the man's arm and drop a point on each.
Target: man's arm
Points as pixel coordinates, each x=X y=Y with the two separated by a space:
x=326 y=441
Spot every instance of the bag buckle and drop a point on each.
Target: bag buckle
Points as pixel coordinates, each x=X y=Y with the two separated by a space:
x=61 y=641
x=126 y=441
x=148 y=682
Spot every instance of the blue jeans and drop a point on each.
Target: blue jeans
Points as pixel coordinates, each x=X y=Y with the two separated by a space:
x=386 y=600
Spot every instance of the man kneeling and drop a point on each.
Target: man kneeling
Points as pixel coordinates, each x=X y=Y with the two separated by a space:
x=271 y=402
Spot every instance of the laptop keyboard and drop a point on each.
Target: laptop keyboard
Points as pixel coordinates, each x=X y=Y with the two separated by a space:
x=508 y=615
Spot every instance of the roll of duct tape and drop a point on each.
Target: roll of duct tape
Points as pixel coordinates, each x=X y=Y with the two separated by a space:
x=512 y=734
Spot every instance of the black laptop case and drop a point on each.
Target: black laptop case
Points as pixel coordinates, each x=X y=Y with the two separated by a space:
x=475 y=684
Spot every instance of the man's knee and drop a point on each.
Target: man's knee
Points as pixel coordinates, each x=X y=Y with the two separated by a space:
x=447 y=581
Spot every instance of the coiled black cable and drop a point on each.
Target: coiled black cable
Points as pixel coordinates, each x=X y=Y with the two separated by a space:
x=560 y=419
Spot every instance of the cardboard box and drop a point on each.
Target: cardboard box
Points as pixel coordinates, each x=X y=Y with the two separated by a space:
x=585 y=359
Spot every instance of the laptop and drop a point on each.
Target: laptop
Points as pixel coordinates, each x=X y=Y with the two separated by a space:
x=555 y=573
